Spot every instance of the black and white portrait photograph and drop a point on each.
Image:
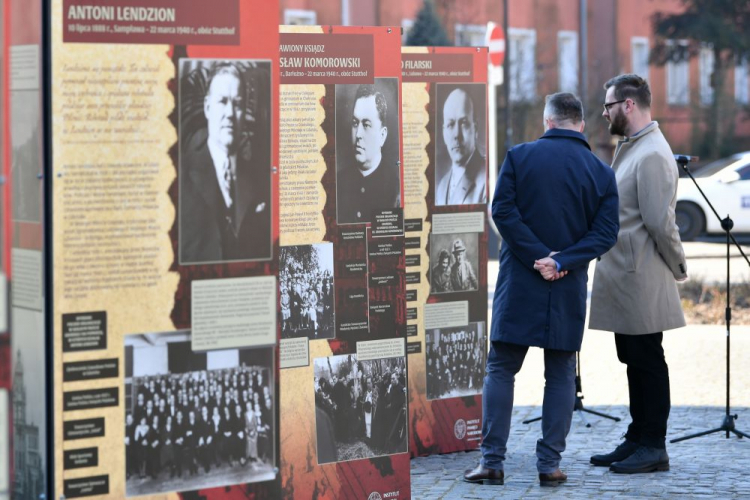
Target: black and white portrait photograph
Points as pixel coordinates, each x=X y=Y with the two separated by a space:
x=306 y=291
x=368 y=174
x=461 y=145
x=26 y=159
x=196 y=419
x=454 y=262
x=224 y=161
x=455 y=360
x=360 y=407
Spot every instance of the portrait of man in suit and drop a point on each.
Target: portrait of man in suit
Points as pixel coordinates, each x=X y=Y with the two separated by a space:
x=461 y=173
x=225 y=166
x=368 y=175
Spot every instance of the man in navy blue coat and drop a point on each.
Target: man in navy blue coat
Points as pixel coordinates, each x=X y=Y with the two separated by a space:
x=554 y=198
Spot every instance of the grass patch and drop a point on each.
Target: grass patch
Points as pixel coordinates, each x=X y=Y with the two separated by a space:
x=705 y=304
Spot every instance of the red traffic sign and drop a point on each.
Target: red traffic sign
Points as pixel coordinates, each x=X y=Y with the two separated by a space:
x=497 y=46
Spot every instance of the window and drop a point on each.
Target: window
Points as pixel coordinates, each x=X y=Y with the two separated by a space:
x=744 y=173
x=639 y=56
x=299 y=16
x=567 y=61
x=678 y=80
x=522 y=59
x=741 y=82
x=470 y=35
x=406 y=26
x=706 y=66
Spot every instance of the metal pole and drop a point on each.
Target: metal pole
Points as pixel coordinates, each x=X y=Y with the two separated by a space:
x=584 y=47
x=345 y=13
x=506 y=80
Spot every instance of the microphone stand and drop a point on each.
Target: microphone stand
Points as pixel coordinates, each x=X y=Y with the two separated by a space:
x=727 y=425
x=578 y=405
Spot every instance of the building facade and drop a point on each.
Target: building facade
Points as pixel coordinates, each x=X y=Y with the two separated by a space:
x=28 y=473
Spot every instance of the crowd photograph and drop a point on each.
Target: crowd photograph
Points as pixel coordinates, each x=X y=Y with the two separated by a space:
x=454 y=260
x=455 y=360
x=306 y=291
x=195 y=420
x=360 y=407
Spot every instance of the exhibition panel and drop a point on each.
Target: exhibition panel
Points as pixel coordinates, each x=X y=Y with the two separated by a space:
x=342 y=269
x=165 y=241
x=445 y=172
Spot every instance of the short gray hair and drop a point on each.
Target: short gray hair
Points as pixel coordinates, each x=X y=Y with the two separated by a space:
x=563 y=106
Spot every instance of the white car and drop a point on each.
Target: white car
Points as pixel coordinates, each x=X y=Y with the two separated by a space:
x=726 y=183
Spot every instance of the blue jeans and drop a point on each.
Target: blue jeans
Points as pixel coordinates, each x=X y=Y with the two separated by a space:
x=505 y=360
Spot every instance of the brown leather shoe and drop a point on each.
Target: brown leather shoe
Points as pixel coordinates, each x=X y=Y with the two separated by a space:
x=553 y=479
x=484 y=476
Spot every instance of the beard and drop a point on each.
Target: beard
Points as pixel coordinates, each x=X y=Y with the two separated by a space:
x=617 y=124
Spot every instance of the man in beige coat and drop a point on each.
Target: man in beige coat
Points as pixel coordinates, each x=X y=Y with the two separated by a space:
x=635 y=291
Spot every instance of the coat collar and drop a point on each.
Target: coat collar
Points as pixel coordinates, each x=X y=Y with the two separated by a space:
x=627 y=141
x=555 y=133
x=641 y=133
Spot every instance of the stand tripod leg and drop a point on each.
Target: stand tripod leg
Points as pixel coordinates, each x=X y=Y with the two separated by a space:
x=583 y=417
x=697 y=434
x=600 y=414
x=530 y=420
x=740 y=434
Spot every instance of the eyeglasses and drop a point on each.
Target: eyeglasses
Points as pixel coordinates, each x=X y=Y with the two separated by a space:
x=608 y=105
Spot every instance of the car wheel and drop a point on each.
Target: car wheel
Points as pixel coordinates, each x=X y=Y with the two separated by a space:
x=690 y=220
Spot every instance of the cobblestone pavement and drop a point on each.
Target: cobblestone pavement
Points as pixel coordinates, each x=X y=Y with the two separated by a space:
x=707 y=467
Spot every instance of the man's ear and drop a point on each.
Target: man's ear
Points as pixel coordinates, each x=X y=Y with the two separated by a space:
x=205 y=106
x=583 y=125
x=383 y=135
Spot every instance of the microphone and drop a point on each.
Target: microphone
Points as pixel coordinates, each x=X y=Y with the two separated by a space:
x=684 y=159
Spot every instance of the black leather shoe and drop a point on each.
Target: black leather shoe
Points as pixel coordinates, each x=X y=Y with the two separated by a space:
x=623 y=451
x=484 y=476
x=552 y=479
x=645 y=459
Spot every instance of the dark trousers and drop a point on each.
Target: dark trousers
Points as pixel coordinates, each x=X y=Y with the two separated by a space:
x=504 y=361
x=648 y=385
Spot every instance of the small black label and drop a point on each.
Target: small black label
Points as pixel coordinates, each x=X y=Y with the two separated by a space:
x=80 y=459
x=380 y=307
x=411 y=330
x=413 y=260
x=383 y=280
x=86 y=486
x=83 y=429
x=91 y=398
x=90 y=370
x=413 y=243
x=413 y=347
x=411 y=313
x=389 y=248
x=388 y=222
x=84 y=331
x=351 y=235
x=355 y=268
x=413 y=225
x=412 y=278
x=411 y=295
